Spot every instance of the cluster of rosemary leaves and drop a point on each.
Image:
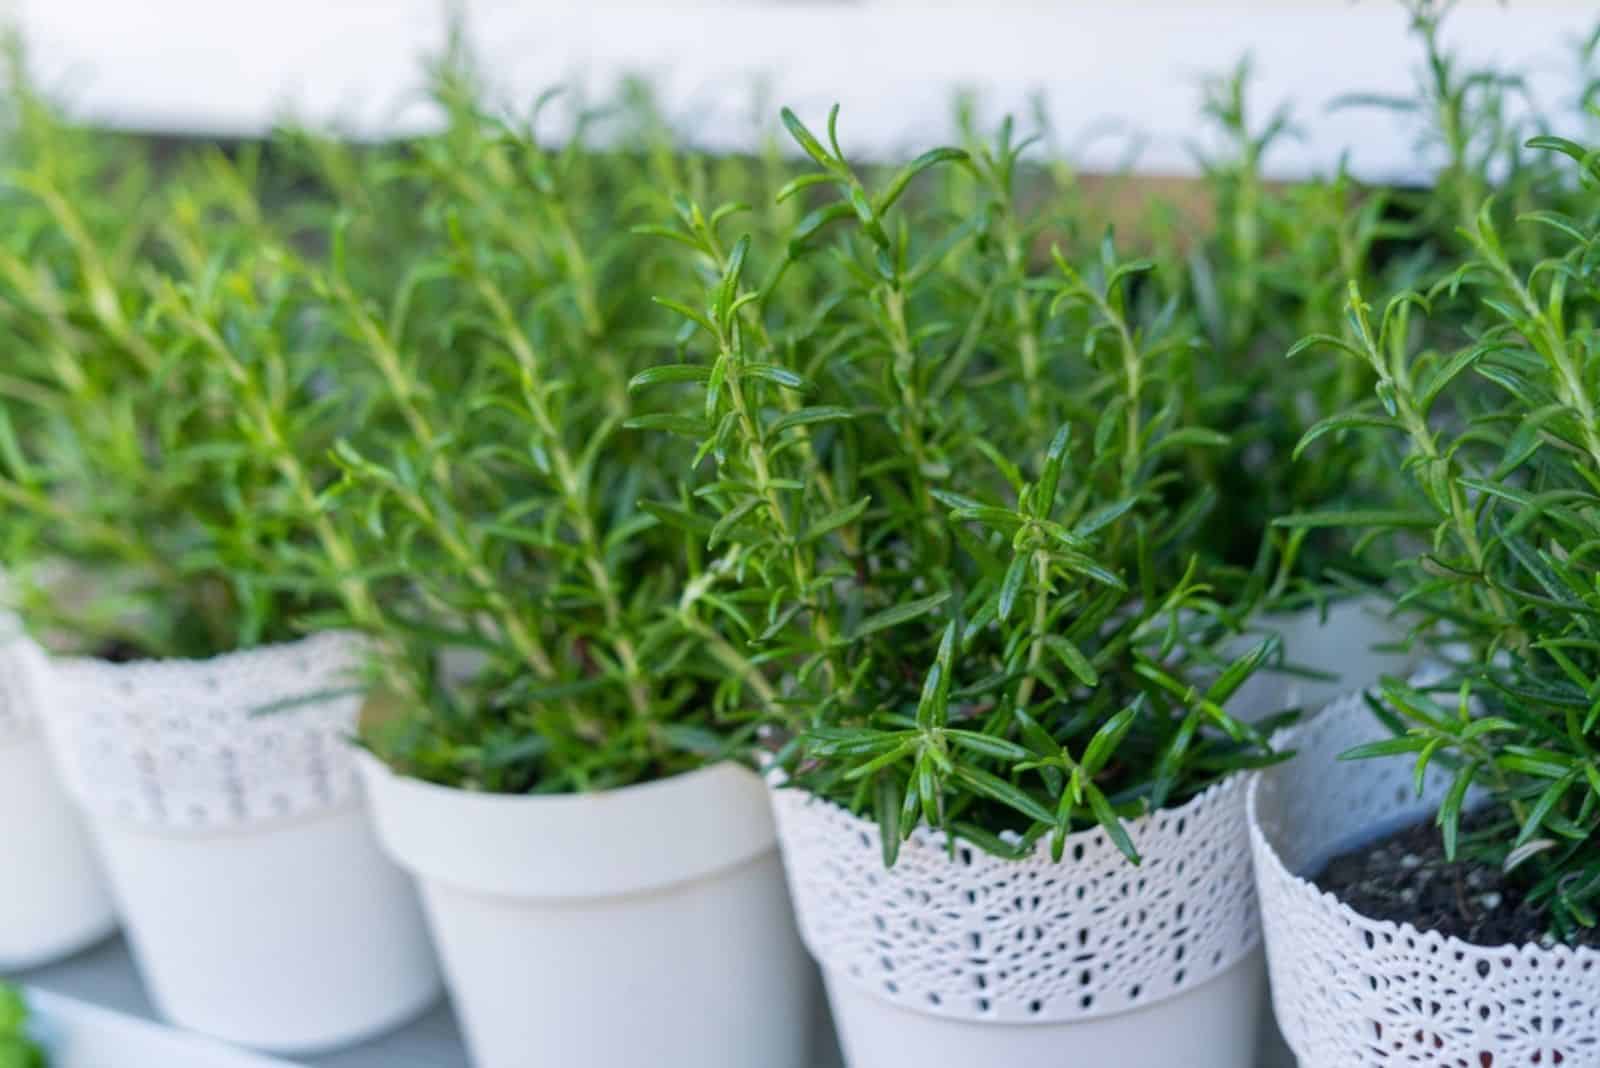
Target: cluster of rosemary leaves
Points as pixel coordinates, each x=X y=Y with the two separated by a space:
x=954 y=480
x=269 y=391
x=984 y=628
x=545 y=630
x=160 y=396
x=1501 y=429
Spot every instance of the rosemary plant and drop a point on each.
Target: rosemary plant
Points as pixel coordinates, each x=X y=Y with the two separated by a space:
x=545 y=632
x=1474 y=120
x=972 y=626
x=165 y=413
x=1507 y=493
x=1274 y=268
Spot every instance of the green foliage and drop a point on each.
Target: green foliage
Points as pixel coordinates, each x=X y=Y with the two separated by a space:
x=1274 y=267
x=972 y=627
x=269 y=390
x=967 y=504
x=499 y=518
x=17 y=1049
x=1503 y=452
x=169 y=409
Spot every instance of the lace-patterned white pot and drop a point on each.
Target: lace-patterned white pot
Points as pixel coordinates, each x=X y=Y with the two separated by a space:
x=1353 y=992
x=1340 y=643
x=224 y=798
x=646 y=926
x=53 y=895
x=952 y=961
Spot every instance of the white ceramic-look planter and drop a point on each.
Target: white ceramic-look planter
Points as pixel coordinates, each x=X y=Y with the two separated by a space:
x=53 y=897
x=642 y=926
x=226 y=803
x=1340 y=644
x=1353 y=992
x=951 y=962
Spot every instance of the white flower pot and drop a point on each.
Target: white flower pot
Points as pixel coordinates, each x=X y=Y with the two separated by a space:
x=1353 y=992
x=956 y=961
x=228 y=810
x=53 y=896
x=1340 y=644
x=646 y=926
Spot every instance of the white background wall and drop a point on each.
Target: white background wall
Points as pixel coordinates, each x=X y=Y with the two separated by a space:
x=228 y=67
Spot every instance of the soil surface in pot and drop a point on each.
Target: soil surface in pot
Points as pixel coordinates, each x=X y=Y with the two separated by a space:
x=1404 y=878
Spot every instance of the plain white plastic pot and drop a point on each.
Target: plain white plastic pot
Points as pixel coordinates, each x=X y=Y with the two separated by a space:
x=226 y=804
x=1351 y=643
x=642 y=926
x=1353 y=992
x=1202 y=1028
x=955 y=961
x=53 y=896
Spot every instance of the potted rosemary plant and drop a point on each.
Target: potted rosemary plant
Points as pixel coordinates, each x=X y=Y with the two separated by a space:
x=171 y=412
x=1473 y=944
x=1010 y=806
x=558 y=759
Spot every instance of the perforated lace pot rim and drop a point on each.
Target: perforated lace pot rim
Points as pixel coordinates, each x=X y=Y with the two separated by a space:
x=233 y=744
x=1351 y=990
x=661 y=905
x=859 y=920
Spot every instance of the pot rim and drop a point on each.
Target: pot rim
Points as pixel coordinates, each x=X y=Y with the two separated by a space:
x=156 y=665
x=933 y=837
x=547 y=849
x=490 y=798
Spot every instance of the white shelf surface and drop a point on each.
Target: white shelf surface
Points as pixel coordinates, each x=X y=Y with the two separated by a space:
x=105 y=976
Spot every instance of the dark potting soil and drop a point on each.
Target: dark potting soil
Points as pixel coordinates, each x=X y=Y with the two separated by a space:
x=119 y=651
x=1405 y=878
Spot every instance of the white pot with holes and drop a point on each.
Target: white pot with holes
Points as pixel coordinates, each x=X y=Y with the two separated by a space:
x=53 y=896
x=1350 y=643
x=954 y=961
x=1352 y=992
x=225 y=800
x=647 y=925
